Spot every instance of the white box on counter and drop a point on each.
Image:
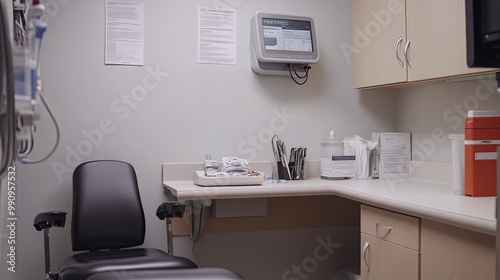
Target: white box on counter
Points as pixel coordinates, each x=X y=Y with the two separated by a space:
x=392 y=155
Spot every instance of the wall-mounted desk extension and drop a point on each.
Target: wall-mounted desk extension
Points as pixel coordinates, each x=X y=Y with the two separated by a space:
x=426 y=200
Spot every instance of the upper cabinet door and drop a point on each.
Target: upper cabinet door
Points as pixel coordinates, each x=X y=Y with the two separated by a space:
x=378 y=40
x=404 y=41
x=437 y=37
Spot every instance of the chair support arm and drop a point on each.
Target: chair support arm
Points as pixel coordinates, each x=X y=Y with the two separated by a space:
x=49 y=219
x=44 y=221
x=166 y=211
x=171 y=209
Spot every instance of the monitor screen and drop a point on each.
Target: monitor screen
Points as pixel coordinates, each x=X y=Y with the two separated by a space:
x=284 y=38
x=287 y=35
x=483 y=33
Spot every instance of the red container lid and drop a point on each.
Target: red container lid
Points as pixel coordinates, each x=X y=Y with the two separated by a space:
x=482 y=120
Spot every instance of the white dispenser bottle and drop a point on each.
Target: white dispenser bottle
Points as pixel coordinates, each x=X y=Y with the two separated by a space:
x=330 y=148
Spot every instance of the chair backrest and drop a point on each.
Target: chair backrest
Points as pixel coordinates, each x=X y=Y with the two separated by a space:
x=107 y=208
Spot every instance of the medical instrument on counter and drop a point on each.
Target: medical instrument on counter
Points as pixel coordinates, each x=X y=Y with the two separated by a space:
x=234 y=172
x=280 y=158
x=285 y=168
x=222 y=179
x=210 y=166
x=234 y=165
x=21 y=86
x=283 y=44
x=297 y=163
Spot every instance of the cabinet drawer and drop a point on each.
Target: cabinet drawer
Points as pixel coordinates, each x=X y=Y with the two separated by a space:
x=397 y=228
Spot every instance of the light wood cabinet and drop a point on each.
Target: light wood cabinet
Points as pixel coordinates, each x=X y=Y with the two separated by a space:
x=377 y=26
x=398 y=246
x=388 y=261
x=457 y=254
x=402 y=41
x=390 y=245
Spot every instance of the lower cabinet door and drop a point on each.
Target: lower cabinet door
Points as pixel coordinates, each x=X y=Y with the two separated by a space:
x=454 y=253
x=382 y=260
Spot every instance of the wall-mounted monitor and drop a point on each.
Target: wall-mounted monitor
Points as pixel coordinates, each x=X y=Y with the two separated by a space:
x=483 y=33
x=281 y=38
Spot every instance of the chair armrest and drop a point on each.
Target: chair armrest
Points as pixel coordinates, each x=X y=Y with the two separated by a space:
x=49 y=219
x=170 y=209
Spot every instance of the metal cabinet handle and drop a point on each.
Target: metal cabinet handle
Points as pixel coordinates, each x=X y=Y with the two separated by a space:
x=365 y=249
x=406 y=53
x=398 y=43
x=384 y=227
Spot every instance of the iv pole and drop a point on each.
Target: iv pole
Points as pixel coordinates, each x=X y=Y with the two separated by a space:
x=7 y=97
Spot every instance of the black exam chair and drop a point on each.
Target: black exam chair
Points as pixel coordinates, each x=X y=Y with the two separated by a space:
x=209 y=273
x=107 y=216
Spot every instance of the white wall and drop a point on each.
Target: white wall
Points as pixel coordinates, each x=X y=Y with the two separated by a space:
x=434 y=111
x=197 y=109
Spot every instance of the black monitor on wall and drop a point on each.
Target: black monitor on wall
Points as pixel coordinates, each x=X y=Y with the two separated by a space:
x=483 y=33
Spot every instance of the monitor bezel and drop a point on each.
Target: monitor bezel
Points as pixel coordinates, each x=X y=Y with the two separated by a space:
x=266 y=55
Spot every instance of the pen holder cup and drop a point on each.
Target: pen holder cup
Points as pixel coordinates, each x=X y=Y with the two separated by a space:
x=280 y=172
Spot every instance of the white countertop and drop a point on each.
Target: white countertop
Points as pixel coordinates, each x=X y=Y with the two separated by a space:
x=428 y=200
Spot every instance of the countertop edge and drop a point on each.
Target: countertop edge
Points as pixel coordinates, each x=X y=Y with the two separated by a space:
x=446 y=217
x=471 y=223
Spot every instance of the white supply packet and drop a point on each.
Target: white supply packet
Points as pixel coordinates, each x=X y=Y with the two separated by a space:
x=363 y=150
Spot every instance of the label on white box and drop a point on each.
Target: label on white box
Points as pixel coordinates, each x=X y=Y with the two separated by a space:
x=396 y=166
x=338 y=167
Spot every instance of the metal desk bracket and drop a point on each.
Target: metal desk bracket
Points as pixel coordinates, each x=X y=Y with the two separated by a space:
x=198 y=209
x=169 y=194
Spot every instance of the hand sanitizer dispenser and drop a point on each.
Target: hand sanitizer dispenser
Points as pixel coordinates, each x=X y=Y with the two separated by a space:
x=331 y=148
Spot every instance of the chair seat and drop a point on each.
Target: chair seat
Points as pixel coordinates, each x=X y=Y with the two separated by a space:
x=83 y=265
x=209 y=273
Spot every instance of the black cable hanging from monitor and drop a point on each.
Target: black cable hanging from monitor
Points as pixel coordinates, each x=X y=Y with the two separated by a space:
x=305 y=77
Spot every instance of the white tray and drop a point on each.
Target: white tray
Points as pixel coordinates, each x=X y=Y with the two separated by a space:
x=200 y=179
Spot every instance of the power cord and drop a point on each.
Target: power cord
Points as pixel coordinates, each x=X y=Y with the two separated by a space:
x=27 y=160
x=305 y=77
